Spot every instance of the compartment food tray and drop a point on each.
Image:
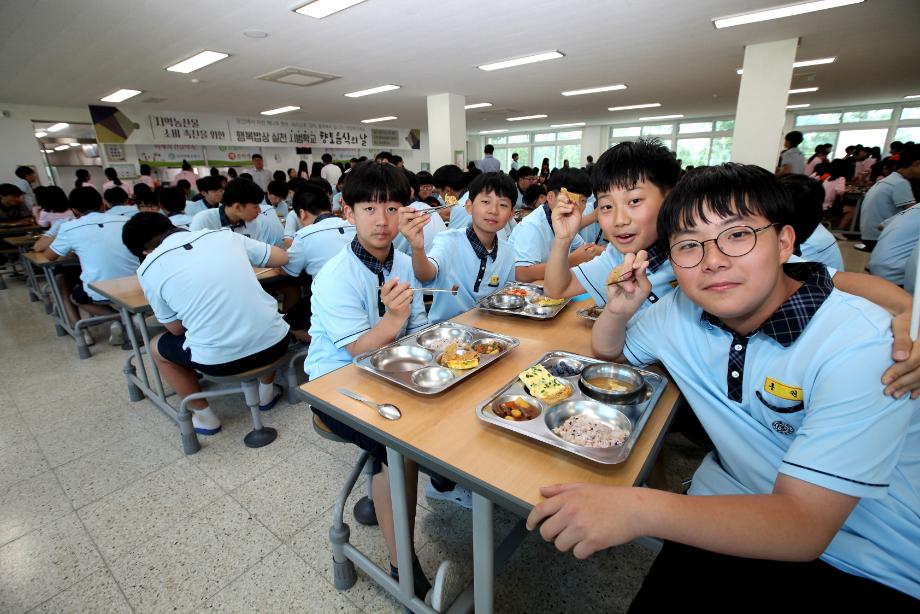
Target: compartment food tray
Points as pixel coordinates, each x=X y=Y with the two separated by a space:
x=528 y=309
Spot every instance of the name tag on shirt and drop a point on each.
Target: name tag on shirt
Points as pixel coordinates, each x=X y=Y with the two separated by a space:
x=493 y=281
x=781 y=390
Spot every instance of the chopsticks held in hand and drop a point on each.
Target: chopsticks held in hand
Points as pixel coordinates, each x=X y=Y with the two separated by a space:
x=438 y=208
x=452 y=289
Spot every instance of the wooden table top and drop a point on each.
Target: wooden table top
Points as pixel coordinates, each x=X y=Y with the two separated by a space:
x=126 y=291
x=21 y=240
x=445 y=429
x=15 y=230
x=39 y=259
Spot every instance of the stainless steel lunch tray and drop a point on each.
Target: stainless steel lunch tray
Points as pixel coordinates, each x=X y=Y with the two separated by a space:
x=588 y=313
x=635 y=412
x=411 y=362
x=528 y=309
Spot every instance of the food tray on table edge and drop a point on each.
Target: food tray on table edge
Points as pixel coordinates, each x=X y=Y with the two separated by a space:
x=590 y=313
x=412 y=361
x=635 y=412
x=501 y=302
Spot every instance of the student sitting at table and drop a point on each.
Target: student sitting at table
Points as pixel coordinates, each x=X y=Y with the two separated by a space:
x=533 y=238
x=239 y=211
x=12 y=204
x=116 y=199
x=450 y=181
x=218 y=324
x=362 y=300
x=433 y=226
x=291 y=221
x=172 y=204
x=53 y=206
x=96 y=239
x=322 y=235
x=526 y=179
x=890 y=258
x=813 y=242
x=277 y=196
x=888 y=196
x=811 y=460
x=272 y=228
x=211 y=190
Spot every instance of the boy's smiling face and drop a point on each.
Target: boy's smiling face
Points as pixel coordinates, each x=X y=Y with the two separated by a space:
x=376 y=224
x=490 y=212
x=628 y=217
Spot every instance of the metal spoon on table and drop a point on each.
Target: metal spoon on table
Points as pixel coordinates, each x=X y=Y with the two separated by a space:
x=387 y=410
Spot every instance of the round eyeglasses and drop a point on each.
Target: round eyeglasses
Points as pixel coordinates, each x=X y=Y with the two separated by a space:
x=733 y=242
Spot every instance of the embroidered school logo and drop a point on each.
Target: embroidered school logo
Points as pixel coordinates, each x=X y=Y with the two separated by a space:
x=783 y=428
x=493 y=281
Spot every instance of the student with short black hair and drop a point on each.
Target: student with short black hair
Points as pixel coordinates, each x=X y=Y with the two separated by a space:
x=146 y=179
x=534 y=197
x=432 y=227
x=888 y=196
x=425 y=185
x=12 y=203
x=489 y=163
x=791 y=162
x=279 y=175
x=384 y=157
x=172 y=203
x=116 y=200
x=217 y=324
x=25 y=177
x=270 y=209
x=811 y=460
x=211 y=190
x=813 y=242
x=526 y=178
x=239 y=212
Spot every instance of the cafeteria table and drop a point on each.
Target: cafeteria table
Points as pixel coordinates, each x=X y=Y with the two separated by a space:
x=443 y=434
x=23 y=244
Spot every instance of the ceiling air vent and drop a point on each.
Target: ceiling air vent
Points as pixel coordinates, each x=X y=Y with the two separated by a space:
x=292 y=75
x=153 y=100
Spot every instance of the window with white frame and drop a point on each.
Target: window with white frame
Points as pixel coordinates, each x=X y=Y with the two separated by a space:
x=698 y=142
x=869 y=126
x=533 y=147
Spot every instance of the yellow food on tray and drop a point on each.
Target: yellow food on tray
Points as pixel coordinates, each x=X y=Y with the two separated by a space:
x=545 y=301
x=459 y=356
x=542 y=385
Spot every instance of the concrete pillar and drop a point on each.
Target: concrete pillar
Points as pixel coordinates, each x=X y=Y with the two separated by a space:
x=446 y=128
x=761 y=112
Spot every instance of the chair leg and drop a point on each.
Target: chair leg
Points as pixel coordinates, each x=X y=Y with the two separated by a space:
x=364 y=511
x=343 y=570
x=260 y=435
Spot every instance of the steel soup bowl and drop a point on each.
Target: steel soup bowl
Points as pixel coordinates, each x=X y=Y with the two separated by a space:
x=625 y=375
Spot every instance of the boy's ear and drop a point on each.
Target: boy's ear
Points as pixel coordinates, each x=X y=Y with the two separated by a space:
x=349 y=213
x=786 y=236
x=551 y=199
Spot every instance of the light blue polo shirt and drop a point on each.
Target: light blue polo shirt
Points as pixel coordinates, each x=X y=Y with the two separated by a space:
x=271 y=229
x=211 y=219
x=458 y=264
x=180 y=220
x=204 y=279
x=126 y=210
x=882 y=201
x=291 y=225
x=96 y=239
x=434 y=226
x=822 y=247
x=344 y=306
x=337 y=202
x=55 y=228
x=592 y=232
x=592 y=275
x=842 y=433
x=910 y=270
x=194 y=207
x=890 y=257
x=316 y=244
x=532 y=239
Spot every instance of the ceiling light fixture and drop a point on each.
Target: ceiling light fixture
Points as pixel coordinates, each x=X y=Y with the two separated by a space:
x=567 y=125
x=120 y=95
x=73 y=144
x=524 y=117
x=478 y=105
x=595 y=90
x=657 y=117
x=40 y=134
x=779 y=12
x=804 y=63
x=803 y=90
x=912 y=97
x=630 y=107
x=493 y=131
x=58 y=126
x=798 y=106
x=280 y=110
x=373 y=90
x=323 y=8
x=527 y=59
x=199 y=60
x=374 y=120
x=61 y=147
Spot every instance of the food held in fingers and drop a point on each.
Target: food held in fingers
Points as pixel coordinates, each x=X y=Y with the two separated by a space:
x=620 y=273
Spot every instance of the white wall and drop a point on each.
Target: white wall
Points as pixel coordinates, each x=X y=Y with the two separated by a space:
x=18 y=145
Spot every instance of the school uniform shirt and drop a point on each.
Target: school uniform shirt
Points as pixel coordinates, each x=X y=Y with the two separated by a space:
x=96 y=239
x=123 y=210
x=833 y=188
x=592 y=232
x=799 y=398
x=337 y=202
x=461 y=260
x=194 y=207
x=794 y=158
x=910 y=269
x=271 y=229
x=227 y=316
x=316 y=244
x=291 y=225
x=592 y=275
x=108 y=185
x=26 y=188
x=533 y=238
x=146 y=180
x=822 y=247
x=810 y=166
x=331 y=173
x=883 y=200
x=47 y=218
x=180 y=220
x=459 y=218
x=215 y=219
x=56 y=227
x=895 y=244
x=281 y=209
x=346 y=304
x=434 y=227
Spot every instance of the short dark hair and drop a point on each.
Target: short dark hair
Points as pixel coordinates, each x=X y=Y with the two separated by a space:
x=499 y=184
x=384 y=155
x=396 y=159
x=208 y=184
x=808 y=202
x=909 y=154
x=116 y=195
x=183 y=184
x=323 y=185
x=242 y=191
x=85 y=199
x=726 y=189
x=841 y=168
x=246 y=176
x=311 y=198
x=327 y=158
x=533 y=193
x=572 y=179
x=145 y=169
x=144 y=231
x=449 y=176
x=489 y=149
x=277 y=188
x=626 y=164
x=896 y=146
x=255 y=155
x=424 y=178
x=186 y=166
x=279 y=175
x=295 y=183
x=795 y=138
x=172 y=200
x=526 y=171
x=52 y=199
x=514 y=155
x=142 y=192
x=412 y=178
x=378 y=183
x=24 y=171
x=8 y=189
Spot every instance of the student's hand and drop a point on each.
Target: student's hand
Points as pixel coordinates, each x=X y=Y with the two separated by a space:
x=904 y=376
x=397 y=298
x=586 y=518
x=412 y=226
x=566 y=220
x=584 y=253
x=626 y=297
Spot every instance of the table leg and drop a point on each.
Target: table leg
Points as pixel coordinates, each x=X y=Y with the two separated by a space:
x=483 y=555
x=855 y=220
x=62 y=325
x=145 y=335
x=31 y=281
x=401 y=524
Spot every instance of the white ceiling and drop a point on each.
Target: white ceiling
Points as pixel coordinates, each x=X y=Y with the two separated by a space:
x=73 y=53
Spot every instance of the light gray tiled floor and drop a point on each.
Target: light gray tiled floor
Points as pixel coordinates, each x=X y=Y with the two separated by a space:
x=101 y=512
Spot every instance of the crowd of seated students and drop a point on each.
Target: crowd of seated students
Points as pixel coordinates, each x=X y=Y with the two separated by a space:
x=729 y=279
